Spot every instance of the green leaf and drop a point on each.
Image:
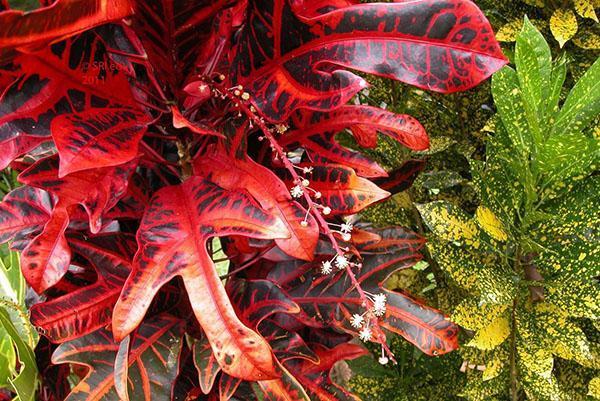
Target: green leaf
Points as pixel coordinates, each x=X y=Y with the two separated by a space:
x=557 y=80
x=450 y=223
x=562 y=157
x=509 y=101
x=582 y=105
x=25 y=382
x=534 y=68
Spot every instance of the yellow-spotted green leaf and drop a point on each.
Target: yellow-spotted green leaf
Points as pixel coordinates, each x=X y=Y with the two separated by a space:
x=594 y=388
x=563 y=25
x=509 y=31
x=578 y=298
x=562 y=157
x=487 y=220
x=492 y=335
x=585 y=8
x=557 y=79
x=472 y=316
x=494 y=366
x=587 y=39
x=509 y=101
x=460 y=265
x=565 y=338
x=450 y=223
x=534 y=67
x=535 y=3
x=582 y=105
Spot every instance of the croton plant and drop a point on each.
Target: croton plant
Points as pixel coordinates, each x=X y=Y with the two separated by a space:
x=159 y=140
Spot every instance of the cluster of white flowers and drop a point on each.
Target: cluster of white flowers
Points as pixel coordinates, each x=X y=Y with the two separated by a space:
x=297 y=191
x=379 y=303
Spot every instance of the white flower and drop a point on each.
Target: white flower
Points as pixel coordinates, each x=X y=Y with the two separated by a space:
x=307 y=170
x=365 y=334
x=357 y=320
x=383 y=360
x=379 y=302
x=346 y=228
x=326 y=210
x=326 y=267
x=341 y=262
x=297 y=191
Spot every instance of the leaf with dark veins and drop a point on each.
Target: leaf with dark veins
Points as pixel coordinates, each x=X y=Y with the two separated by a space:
x=172 y=242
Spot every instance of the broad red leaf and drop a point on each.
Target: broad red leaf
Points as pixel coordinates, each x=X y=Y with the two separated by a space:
x=341 y=189
x=23 y=211
x=46 y=259
x=97 y=138
x=67 y=78
x=270 y=192
x=288 y=62
x=172 y=242
x=315 y=377
x=88 y=308
x=323 y=148
x=15 y=147
x=152 y=361
x=328 y=300
x=359 y=119
x=60 y=20
x=401 y=178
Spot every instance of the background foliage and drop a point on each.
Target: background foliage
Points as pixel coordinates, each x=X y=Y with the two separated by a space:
x=559 y=335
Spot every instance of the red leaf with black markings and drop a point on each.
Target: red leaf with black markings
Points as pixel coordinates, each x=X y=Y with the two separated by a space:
x=359 y=119
x=23 y=211
x=288 y=61
x=315 y=377
x=174 y=33
x=97 y=138
x=172 y=242
x=206 y=364
x=46 y=259
x=402 y=178
x=323 y=148
x=152 y=362
x=18 y=146
x=88 y=308
x=341 y=189
x=327 y=300
x=69 y=77
x=270 y=192
x=64 y=18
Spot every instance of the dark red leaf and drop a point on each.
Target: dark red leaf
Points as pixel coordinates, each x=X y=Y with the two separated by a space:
x=15 y=147
x=89 y=308
x=359 y=119
x=152 y=361
x=270 y=192
x=64 y=18
x=172 y=241
x=97 y=138
x=68 y=78
x=206 y=364
x=288 y=62
x=401 y=178
x=23 y=211
x=342 y=190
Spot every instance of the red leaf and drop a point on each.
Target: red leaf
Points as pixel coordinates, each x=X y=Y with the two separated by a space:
x=23 y=211
x=270 y=192
x=360 y=119
x=46 y=259
x=67 y=78
x=444 y=46
x=152 y=361
x=60 y=20
x=342 y=190
x=401 y=178
x=172 y=242
x=88 y=308
x=15 y=147
x=97 y=138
